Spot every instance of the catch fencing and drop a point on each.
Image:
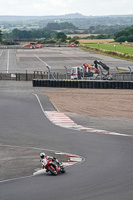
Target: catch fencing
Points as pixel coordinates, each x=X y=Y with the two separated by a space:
x=30 y=76
x=27 y=76
x=122 y=77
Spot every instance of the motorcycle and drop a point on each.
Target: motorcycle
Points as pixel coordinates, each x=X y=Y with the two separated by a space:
x=51 y=165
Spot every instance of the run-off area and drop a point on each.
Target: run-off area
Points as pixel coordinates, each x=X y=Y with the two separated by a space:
x=16 y=162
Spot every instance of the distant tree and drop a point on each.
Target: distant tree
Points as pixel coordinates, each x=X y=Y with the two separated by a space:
x=101 y=36
x=17 y=34
x=130 y=38
x=49 y=41
x=76 y=42
x=121 y=39
x=60 y=26
x=61 y=36
x=69 y=38
x=1 y=35
x=124 y=35
x=91 y=29
x=74 y=39
x=53 y=26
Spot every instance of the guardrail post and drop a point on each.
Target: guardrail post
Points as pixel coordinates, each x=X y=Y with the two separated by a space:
x=34 y=75
x=48 y=72
x=130 y=73
x=66 y=71
x=26 y=76
x=83 y=72
x=19 y=76
x=100 y=73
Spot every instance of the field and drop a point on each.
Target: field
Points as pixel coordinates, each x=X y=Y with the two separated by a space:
x=80 y=35
x=95 y=41
x=113 y=47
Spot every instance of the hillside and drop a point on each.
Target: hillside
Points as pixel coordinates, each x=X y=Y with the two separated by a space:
x=8 y=23
x=21 y=18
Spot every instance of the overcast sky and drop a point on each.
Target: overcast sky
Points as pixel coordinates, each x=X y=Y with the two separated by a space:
x=59 y=7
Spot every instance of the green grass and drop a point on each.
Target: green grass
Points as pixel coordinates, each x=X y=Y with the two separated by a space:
x=110 y=47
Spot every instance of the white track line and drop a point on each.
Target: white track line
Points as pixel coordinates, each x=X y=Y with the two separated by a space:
x=40 y=103
x=1 y=53
x=41 y=60
x=60 y=119
x=8 y=57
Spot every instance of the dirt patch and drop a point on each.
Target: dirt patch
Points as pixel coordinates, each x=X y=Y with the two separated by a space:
x=93 y=102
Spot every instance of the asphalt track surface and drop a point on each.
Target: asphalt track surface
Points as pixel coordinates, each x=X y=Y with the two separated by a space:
x=106 y=173
x=20 y=60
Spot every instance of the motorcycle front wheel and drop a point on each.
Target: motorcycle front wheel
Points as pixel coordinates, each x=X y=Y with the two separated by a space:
x=63 y=170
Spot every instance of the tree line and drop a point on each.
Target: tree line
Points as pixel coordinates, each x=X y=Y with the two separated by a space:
x=43 y=36
x=45 y=33
x=17 y=34
x=1 y=35
x=124 y=35
x=61 y=26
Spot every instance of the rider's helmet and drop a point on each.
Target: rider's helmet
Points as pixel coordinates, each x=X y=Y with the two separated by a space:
x=42 y=155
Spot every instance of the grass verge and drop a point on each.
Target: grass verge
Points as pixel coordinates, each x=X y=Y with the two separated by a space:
x=115 y=54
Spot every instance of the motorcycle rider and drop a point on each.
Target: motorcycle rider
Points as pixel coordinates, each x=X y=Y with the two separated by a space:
x=43 y=156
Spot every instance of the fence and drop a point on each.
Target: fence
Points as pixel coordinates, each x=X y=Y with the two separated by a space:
x=30 y=76
x=123 y=77
x=24 y=47
x=27 y=76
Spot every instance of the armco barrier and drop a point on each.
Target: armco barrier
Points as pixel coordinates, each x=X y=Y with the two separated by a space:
x=83 y=84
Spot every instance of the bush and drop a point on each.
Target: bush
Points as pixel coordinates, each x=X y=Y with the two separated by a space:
x=130 y=38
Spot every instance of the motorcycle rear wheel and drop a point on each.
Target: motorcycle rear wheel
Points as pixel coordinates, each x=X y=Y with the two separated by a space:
x=52 y=171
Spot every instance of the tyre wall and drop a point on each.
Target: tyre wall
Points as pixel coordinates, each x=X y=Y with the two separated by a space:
x=83 y=84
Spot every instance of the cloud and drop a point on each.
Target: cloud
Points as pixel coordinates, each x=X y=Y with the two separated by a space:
x=57 y=7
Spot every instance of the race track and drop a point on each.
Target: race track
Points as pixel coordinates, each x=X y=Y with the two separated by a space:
x=20 y=60
x=106 y=173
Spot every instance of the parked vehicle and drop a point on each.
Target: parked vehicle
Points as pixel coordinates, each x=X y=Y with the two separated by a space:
x=38 y=46
x=87 y=70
